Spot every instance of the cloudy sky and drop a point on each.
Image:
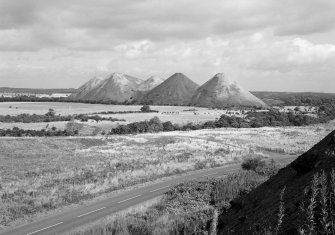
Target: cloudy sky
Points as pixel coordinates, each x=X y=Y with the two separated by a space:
x=286 y=45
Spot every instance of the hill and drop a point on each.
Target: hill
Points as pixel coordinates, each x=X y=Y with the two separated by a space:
x=118 y=87
x=87 y=87
x=150 y=83
x=222 y=92
x=251 y=213
x=147 y=86
x=176 y=90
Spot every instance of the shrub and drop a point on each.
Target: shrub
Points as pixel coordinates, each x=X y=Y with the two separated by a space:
x=260 y=166
x=252 y=164
x=155 y=125
x=145 y=108
x=168 y=126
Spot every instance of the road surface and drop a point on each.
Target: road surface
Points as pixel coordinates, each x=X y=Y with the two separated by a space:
x=75 y=217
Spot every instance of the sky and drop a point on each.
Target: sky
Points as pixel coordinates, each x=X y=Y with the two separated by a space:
x=265 y=45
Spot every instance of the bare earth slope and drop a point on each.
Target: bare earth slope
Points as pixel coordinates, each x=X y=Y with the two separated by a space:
x=118 y=87
x=150 y=83
x=87 y=87
x=258 y=209
x=220 y=92
x=176 y=90
x=147 y=86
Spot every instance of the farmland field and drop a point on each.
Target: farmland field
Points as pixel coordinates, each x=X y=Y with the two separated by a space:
x=175 y=114
x=42 y=174
x=77 y=108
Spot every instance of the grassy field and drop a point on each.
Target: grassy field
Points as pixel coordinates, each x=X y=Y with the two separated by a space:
x=41 y=174
x=175 y=114
x=77 y=108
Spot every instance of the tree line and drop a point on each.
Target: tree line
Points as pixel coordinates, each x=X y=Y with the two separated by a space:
x=18 y=132
x=49 y=117
x=253 y=120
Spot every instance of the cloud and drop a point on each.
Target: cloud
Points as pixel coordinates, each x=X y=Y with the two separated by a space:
x=65 y=42
x=99 y=23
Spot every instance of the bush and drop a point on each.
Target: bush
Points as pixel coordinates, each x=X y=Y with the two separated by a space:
x=155 y=125
x=260 y=166
x=168 y=126
x=145 y=108
x=253 y=163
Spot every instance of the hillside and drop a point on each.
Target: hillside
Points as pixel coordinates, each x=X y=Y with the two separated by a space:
x=259 y=209
x=87 y=87
x=150 y=83
x=118 y=87
x=147 y=86
x=176 y=90
x=294 y=98
x=221 y=92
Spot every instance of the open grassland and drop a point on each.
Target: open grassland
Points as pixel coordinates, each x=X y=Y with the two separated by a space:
x=176 y=114
x=41 y=174
x=14 y=108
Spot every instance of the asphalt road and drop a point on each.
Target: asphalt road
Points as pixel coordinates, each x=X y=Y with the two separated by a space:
x=66 y=220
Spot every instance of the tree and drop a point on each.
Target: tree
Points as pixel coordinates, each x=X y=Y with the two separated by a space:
x=145 y=108
x=155 y=125
x=51 y=113
x=168 y=126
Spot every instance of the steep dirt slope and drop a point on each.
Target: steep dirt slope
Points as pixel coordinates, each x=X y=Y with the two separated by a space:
x=259 y=208
x=147 y=86
x=150 y=83
x=118 y=87
x=87 y=87
x=176 y=90
x=221 y=92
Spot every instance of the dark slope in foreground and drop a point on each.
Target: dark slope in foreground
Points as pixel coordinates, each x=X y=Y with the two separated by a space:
x=258 y=209
x=176 y=90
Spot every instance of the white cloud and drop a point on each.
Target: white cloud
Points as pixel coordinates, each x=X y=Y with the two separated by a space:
x=63 y=43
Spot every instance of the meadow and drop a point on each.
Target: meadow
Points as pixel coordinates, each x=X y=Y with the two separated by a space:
x=43 y=174
x=176 y=114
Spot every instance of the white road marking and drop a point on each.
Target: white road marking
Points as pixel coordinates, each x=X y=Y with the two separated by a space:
x=159 y=189
x=129 y=199
x=91 y=212
x=44 y=228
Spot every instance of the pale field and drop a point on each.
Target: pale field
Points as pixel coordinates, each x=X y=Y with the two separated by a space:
x=175 y=114
x=77 y=108
x=40 y=174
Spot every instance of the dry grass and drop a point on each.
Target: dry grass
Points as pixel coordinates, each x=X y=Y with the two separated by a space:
x=41 y=174
x=139 y=208
x=166 y=113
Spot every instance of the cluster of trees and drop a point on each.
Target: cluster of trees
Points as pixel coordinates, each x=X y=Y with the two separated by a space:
x=154 y=125
x=51 y=116
x=29 y=118
x=18 y=132
x=297 y=98
x=97 y=118
x=27 y=98
x=309 y=99
x=262 y=119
